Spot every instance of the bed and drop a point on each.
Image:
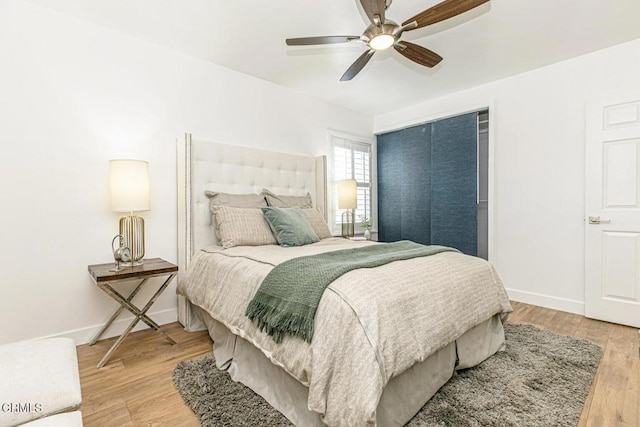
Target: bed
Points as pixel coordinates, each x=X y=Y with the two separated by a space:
x=378 y=352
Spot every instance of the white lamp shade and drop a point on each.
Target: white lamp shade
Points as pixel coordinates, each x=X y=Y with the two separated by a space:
x=347 y=194
x=129 y=185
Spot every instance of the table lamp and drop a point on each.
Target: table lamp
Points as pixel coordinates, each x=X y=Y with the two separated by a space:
x=347 y=200
x=129 y=191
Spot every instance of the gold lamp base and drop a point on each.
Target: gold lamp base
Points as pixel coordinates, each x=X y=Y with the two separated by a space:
x=348 y=225
x=132 y=229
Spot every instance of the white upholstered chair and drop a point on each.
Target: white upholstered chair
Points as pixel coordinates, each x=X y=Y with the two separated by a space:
x=40 y=383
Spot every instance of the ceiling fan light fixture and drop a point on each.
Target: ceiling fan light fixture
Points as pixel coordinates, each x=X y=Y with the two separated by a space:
x=382 y=41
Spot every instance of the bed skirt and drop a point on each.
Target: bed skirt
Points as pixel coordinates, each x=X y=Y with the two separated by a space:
x=401 y=399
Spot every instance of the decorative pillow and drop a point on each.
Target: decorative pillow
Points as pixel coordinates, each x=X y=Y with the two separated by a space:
x=235 y=200
x=242 y=227
x=282 y=201
x=290 y=226
x=317 y=222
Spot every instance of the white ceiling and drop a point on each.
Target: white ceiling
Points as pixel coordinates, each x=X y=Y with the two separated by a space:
x=496 y=40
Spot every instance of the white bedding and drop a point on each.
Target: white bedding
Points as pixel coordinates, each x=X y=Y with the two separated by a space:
x=371 y=324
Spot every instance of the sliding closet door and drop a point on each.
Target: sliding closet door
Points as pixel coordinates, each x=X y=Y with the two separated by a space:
x=404 y=208
x=390 y=178
x=454 y=183
x=428 y=184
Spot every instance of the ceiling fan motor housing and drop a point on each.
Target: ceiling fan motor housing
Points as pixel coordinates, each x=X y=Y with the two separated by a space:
x=374 y=31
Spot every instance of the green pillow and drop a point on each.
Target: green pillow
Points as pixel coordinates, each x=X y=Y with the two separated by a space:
x=290 y=226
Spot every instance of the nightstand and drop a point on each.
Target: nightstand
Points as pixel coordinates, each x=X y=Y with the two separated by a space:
x=104 y=276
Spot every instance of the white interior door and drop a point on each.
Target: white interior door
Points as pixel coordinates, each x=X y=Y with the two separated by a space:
x=612 y=223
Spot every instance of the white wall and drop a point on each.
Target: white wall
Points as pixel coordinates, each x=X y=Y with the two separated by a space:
x=74 y=95
x=538 y=137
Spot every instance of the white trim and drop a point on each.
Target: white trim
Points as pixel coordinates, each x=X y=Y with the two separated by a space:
x=491 y=191
x=84 y=335
x=374 y=186
x=350 y=136
x=373 y=176
x=547 y=301
x=439 y=115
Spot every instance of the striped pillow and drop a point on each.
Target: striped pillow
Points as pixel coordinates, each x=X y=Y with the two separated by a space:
x=242 y=227
x=317 y=222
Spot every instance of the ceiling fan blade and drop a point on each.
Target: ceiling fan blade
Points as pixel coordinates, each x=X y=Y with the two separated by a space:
x=357 y=66
x=444 y=10
x=304 y=41
x=418 y=54
x=373 y=8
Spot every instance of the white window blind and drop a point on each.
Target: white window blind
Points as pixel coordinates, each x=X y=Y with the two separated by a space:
x=352 y=160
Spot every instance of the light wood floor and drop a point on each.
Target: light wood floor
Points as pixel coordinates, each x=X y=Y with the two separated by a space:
x=135 y=388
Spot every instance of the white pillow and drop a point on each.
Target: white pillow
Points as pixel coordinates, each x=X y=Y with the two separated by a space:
x=236 y=200
x=283 y=201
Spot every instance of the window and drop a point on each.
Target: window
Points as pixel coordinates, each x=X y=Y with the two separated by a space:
x=352 y=159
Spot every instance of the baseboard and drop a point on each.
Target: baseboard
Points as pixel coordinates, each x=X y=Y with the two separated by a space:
x=562 y=304
x=84 y=335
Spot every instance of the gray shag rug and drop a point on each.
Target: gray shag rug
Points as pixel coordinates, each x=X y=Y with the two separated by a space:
x=542 y=379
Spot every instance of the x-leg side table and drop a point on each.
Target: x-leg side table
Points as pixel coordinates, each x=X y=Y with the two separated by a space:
x=104 y=276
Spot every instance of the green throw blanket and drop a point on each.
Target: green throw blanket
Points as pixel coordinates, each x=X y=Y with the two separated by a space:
x=288 y=298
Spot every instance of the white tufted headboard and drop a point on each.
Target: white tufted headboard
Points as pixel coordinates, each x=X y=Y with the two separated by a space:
x=206 y=165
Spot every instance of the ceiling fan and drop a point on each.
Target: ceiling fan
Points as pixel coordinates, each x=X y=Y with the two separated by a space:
x=384 y=33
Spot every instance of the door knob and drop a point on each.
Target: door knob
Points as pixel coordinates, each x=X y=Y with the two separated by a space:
x=597 y=220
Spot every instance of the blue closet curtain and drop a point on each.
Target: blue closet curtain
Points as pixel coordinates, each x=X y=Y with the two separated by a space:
x=427 y=184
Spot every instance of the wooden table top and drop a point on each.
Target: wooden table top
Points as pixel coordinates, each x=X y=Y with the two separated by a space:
x=150 y=267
